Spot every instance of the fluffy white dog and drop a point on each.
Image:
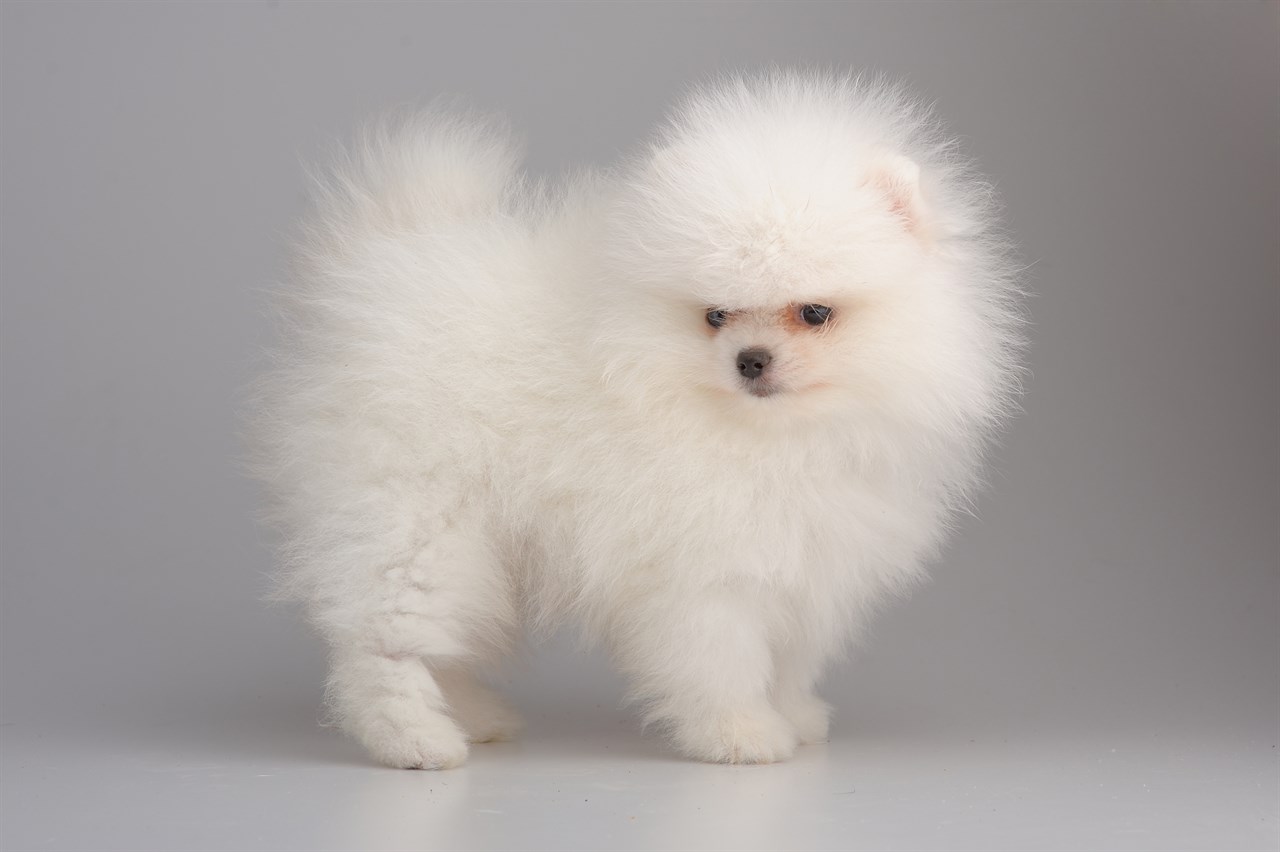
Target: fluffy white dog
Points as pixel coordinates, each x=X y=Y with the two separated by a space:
x=715 y=406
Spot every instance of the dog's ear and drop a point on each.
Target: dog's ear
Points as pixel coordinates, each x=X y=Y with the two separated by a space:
x=897 y=178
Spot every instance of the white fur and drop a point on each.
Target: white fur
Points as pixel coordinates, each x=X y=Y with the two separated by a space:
x=497 y=407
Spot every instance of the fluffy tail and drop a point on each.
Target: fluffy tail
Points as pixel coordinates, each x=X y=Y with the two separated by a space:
x=416 y=172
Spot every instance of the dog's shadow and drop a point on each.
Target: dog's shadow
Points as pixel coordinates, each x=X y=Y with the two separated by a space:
x=278 y=732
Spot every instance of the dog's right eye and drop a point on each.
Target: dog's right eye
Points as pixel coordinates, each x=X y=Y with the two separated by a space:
x=717 y=318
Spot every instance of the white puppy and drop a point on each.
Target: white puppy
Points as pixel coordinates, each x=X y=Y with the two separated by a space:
x=716 y=407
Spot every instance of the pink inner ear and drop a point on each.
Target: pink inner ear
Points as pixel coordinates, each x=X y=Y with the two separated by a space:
x=899 y=179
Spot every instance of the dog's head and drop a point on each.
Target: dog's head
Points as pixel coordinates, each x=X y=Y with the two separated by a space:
x=795 y=247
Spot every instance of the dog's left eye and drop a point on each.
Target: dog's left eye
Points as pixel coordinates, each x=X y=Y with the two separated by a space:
x=815 y=314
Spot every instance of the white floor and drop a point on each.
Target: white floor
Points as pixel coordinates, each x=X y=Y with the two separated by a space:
x=181 y=785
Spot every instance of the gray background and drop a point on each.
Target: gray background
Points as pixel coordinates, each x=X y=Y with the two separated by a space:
x=1095 y=664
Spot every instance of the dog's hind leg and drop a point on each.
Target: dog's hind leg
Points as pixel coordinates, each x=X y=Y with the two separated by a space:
x=484 y=715
x=394 y=707
x=439 y=604
x=799 y=665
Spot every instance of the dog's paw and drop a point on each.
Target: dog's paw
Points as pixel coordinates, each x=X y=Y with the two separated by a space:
x=483 y=714
x=757 y=736
x=430 y=740
x=490 y=720
x=810 y=715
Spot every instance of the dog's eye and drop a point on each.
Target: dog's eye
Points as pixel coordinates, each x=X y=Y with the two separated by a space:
x=717 y=318
x=815 y=314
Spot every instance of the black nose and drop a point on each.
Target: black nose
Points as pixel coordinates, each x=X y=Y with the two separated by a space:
x=751 y=362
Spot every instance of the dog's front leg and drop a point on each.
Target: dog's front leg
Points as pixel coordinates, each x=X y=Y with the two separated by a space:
x=700 y=663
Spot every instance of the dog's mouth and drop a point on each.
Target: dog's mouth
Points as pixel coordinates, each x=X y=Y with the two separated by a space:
x=762 y=389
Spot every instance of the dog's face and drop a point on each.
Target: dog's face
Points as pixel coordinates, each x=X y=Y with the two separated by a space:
x=768 y=351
